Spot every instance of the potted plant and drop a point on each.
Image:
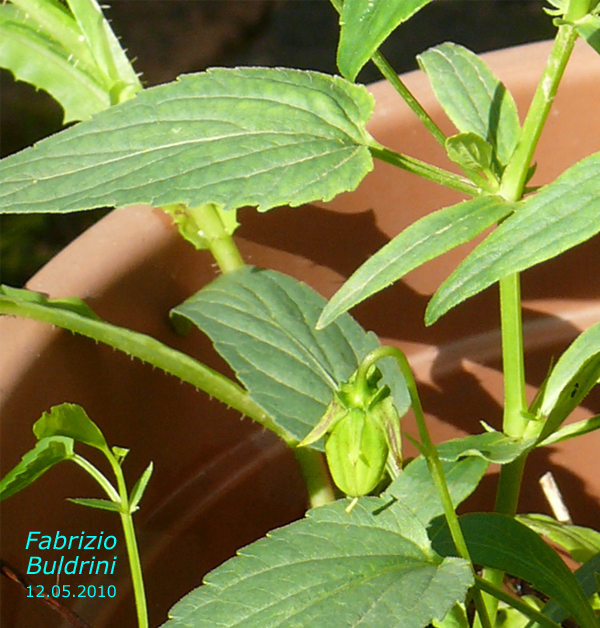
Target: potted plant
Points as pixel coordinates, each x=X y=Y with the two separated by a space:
x=386 y=557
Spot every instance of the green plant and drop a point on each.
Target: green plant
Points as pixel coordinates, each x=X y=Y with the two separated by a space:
x=262 y=137
x=57 y=431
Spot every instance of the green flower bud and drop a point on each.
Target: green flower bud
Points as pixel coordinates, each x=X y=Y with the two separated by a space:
x=357 y=453
x=361 y=427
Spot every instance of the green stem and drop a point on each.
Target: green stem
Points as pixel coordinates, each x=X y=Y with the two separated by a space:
x=388 y=73
x=521 y=606
x=102 y=480
x=122 y=500
x=515 y=402
x=137 y=578
x=515 y=174
x=220 y=243
x=433 y=461
x=396 y=82
x=314 y=472
x=133 y=554
x=512 y=187
x=425 y=170
x=148 y=350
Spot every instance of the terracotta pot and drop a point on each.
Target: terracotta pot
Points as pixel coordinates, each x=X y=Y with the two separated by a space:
x=221 y=482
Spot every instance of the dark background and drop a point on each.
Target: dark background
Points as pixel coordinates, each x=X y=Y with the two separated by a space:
x=170 y=37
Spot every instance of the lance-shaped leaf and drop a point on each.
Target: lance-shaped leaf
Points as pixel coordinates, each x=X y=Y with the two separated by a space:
x=47 y=452
x=472 y=97
x=503 y=543
x=572 y=430
x=559 y=217
x=72 y=421
x=416 y=497
x=331 y=569
x=263 y=324
x=575 y=374
x=581 y=543
x=495 y=447
x=588 y=577
x=364 y=27
x=246 y=136
x=424 y=240
x=137 y=491
x=91 y=502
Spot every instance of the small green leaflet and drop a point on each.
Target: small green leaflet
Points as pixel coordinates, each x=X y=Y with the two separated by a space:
x=46 y=453
x=91 y=502
x=33 y=56
x=263 y=324
x=560 y=216
x=70 y=52
x=72 y=421
x=473 y=98
x=575 y=374
x=572 y=430
x=139 y=487
x=589 y=29
x=234 y=137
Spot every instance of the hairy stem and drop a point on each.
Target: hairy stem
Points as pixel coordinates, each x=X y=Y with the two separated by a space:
x=148 y=350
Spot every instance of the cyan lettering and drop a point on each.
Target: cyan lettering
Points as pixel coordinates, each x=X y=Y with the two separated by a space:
x=32 y=564
x=30 y=539
x=56 y=540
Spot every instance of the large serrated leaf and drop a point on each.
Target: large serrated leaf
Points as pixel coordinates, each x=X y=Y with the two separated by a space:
x=416 y=497
x=46 y=453
x=364 y=27
x=503 y=543
x=472 y=97
x=562 y=215
x=263 y=324
x=246 y=136
x=424 y=240
x=331 y=569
